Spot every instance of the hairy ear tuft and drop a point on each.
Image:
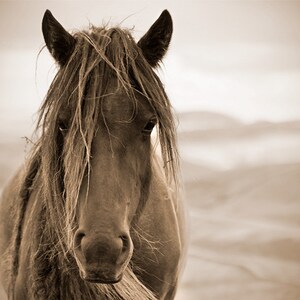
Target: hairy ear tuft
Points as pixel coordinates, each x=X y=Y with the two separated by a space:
x=59 y=42
x=154 y=44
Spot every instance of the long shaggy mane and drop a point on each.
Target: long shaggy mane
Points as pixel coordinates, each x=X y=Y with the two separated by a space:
x=61 y=157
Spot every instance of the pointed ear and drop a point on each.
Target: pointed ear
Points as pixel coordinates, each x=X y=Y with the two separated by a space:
x=59 y=42
x=155 y=42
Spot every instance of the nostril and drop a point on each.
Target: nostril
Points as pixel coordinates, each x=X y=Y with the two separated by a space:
x=79 y=235
x=125 y=241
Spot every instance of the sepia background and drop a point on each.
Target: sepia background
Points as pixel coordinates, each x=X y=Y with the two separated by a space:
x=233 y=76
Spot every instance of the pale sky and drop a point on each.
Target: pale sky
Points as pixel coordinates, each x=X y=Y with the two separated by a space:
x=240 y=58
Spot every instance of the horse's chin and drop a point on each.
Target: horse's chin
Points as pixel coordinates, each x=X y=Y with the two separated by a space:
x=103 y=280
x=101 y=277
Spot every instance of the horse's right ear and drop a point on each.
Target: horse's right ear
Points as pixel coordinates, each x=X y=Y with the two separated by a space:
x=59 y=42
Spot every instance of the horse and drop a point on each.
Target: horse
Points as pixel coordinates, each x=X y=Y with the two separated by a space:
x=95 y=211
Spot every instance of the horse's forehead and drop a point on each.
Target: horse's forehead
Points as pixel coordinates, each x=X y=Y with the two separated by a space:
x=117 y=104
x=120 y=106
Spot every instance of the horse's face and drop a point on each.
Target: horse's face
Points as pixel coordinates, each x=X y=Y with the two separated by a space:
x=117 y=182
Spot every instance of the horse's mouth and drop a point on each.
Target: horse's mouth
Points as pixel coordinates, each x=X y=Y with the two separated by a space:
x=102 y=280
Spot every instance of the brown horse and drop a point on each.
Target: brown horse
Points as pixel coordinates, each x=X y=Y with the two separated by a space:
x=94 y=212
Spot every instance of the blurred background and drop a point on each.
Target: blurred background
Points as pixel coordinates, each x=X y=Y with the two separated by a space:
x=233 y=76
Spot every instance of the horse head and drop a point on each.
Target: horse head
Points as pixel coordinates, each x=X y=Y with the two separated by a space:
x=114 y=184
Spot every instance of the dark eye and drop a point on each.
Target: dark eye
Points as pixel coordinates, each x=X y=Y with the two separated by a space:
x=62 y=127
x=149 y=126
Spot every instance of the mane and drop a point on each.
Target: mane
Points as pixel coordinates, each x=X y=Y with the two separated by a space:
x=61 y=155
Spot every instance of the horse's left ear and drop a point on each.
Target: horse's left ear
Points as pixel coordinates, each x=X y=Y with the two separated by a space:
x=59 y=42
x=155 y=42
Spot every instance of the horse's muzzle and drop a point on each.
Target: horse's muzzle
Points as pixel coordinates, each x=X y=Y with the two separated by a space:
x=102 y=258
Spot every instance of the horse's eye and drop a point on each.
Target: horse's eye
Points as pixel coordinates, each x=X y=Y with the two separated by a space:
x=149 y=126
x=62 y=127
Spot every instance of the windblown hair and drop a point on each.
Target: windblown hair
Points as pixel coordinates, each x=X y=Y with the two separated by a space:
x=61 y=157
